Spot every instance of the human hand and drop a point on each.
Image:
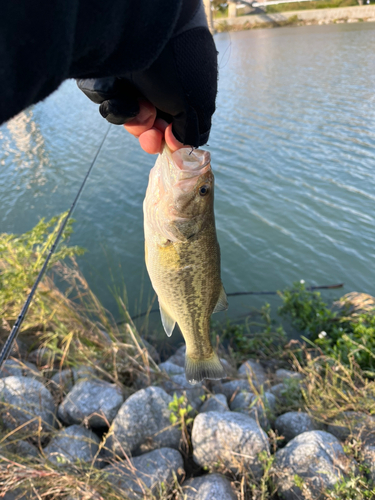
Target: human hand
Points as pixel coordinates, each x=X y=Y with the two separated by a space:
x=179 y=88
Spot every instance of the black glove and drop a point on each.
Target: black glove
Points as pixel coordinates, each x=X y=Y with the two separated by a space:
x=181 y=83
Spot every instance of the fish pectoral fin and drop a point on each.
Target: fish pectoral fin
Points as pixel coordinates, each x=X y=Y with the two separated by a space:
x=168 y=322
x=222 y=303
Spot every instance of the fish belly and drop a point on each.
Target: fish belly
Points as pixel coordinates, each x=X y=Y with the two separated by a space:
x=186 y=278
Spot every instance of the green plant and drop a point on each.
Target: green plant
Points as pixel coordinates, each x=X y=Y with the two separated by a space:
x=354 y=487
x=260 y=339
x=347 y=338
x=182 y=415
x=180 y=411
x=307 y=311
x=22 y=256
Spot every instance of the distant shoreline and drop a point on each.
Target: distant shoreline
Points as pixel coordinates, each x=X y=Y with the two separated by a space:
x=365 y=13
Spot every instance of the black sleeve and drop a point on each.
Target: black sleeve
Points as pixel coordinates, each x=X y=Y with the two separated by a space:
x=44 y=42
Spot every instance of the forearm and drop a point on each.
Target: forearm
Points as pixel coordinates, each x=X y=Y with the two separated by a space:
x=42 y=43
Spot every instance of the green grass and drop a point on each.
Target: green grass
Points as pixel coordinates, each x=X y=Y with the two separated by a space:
x=338 y=366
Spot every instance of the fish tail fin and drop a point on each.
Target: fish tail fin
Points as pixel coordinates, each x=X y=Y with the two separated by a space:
x=198 y=369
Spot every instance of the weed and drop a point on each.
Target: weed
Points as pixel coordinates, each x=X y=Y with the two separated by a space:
x=259 y=339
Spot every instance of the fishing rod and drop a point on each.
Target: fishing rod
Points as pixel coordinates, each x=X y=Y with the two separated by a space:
x=236 y=294
x=17 y=325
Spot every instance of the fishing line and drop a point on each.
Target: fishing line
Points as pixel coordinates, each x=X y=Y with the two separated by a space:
x=236 y=294
x=17 y=325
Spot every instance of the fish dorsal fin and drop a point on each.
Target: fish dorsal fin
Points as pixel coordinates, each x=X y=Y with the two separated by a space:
x=168 y=322
x=222 y=303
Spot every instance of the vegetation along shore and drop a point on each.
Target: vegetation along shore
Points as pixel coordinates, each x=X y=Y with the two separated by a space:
x=89 y=410
x=297 y=14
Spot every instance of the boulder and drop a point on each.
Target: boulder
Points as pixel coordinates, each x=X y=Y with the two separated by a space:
x=144 y=475
x=84 y=372
x=282 y=375
x=171 y=369
x=231 y=439
x=260 y=408
x=16 y=368
x=208 y=487
x=19 y=494
x=177 y=384
x=63 y=380
x=19 y=447
x=143 y=423
x=230 y=389
x=309 y=464
x=254 y=370
x=355 y=423
x=42 y=357
x=71 y=445
x=178 y=358
x=368 y=452
x=217 y=402
x=229 y=369
x=94 y=401
x=280 y=392
x=293 y=423
x=21 y=400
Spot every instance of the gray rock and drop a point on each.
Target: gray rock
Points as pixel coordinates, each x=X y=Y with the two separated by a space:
x=231 y=388
x=83 y=372
x=19 y=447
x=282 y=375
x=71 y=445
x=178 y=358
x=94 y=401
x=232 y=439
x=42 y=357
x=254 y=370
x=16 y=368
x=368 y=452
x=19 y=494
x=209 y=487
x=230 y=370
x=22 y=399
x=260 y=408
x=309 y=464
x=279 y=391
x=143 y=423
x=242 y=402
x=180 y=386
x=171 y=369
x=217 y=402
x=354 y=423
x=293 y=423
x=64 y=380
x=145 y=474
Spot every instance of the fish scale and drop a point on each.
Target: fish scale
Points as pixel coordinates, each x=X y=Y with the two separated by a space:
x=183 y=255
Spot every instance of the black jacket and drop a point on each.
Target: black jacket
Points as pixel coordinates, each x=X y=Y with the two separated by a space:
x=44 y=42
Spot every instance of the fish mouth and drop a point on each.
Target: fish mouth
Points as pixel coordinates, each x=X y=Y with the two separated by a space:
x=192 y=161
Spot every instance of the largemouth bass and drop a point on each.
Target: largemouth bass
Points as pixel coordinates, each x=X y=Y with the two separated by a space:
x=183 y=255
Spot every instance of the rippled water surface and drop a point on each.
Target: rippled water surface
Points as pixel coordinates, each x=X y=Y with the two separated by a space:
x=293 y=149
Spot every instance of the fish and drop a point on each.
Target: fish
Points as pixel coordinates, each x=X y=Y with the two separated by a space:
x=182 y=254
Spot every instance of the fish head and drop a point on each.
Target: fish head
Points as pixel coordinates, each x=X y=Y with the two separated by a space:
x=188 y=192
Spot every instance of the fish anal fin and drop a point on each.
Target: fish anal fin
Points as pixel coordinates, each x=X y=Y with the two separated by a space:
x=198 y=369
x=168 y=322
x=222 y=303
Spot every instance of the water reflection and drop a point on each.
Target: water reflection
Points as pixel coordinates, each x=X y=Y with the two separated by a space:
x=293 y=148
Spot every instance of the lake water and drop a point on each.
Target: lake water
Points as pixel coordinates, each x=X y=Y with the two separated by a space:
x=293 y=150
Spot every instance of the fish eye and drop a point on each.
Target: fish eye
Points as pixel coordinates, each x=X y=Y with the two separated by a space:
x=203 y=190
